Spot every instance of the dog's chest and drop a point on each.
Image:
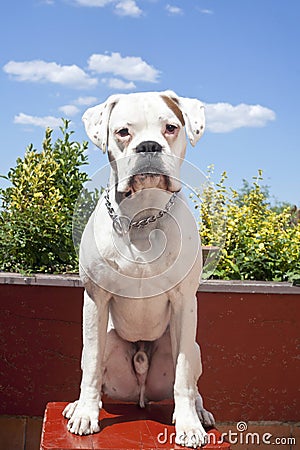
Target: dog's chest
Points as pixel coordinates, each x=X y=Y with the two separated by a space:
x=140 y=319
x=146 y=251
x=145 y=262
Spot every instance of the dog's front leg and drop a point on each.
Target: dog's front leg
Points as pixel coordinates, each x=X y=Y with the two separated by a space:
x=83 y=414
x=187 y=360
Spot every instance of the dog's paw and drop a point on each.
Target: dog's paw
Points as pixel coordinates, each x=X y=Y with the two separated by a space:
x=190 y=432
x=206 y=417
x=69 y=410
x=191 y=436
x=83 y=418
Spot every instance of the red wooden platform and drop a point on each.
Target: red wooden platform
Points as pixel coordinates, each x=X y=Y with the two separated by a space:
x=123 y=427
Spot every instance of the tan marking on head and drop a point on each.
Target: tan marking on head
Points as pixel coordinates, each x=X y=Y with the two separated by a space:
x=174 y=107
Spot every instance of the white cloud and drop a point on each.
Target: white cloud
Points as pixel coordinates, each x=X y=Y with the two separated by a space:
x=128 y=8
x=93 y=3
x=116 y=83
x=44 y=122
x=73 y=108
x=175 y=10
x=206 y=11
x=122 y=7
x=69 y=110
x=131 y=68
x=85 y=101
x=224 y=117
x=42 y=71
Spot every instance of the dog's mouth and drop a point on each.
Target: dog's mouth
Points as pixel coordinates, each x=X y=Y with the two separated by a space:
x=148 y=181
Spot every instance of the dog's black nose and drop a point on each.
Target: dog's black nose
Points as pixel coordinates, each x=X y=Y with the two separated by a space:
x=149 y=147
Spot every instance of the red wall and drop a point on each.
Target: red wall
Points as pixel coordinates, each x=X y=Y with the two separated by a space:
x=249 y=351
x=40 y=347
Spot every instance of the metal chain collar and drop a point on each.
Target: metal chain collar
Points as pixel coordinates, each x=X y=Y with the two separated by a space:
x=122 y=224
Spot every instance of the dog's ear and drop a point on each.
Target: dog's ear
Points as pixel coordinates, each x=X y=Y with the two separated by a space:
x=96 y=120
x=193 y=113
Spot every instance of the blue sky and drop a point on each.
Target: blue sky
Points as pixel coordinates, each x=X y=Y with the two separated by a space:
x=240 y=57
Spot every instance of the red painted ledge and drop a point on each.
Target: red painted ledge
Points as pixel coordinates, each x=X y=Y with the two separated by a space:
x=229 y=286
x=123 y=427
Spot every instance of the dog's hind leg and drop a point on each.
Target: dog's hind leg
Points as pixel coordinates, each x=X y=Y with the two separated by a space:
x=119 y=377
x=160 y=379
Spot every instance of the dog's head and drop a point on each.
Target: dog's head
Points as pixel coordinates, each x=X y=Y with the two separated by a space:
x=145 y=135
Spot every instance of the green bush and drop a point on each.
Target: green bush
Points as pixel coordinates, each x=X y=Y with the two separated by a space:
x=37 y=207
x=257 y=242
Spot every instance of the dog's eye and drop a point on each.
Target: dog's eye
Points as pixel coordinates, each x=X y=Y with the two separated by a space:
x=123 y=132
x=171 y=129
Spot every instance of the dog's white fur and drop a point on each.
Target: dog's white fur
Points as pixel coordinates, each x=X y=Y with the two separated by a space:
x=140 y=311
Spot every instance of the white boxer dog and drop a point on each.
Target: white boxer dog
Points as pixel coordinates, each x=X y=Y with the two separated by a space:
x=140 y=264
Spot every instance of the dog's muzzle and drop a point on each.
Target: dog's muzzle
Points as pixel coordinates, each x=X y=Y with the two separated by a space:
x=148 y=167
x=149 y=170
